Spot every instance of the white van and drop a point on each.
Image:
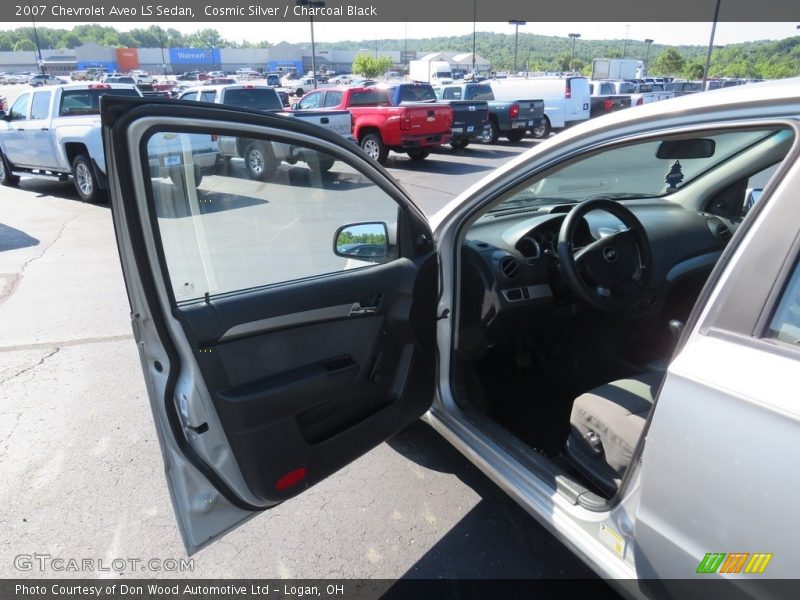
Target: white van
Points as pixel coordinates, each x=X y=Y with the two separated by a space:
x=566 y=99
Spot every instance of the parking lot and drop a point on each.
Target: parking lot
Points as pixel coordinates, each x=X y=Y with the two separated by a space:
x=80 y=461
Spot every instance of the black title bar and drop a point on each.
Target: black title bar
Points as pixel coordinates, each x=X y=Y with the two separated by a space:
x=281 y=11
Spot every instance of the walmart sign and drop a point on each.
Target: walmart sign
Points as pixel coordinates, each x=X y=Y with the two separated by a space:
x=194 y=56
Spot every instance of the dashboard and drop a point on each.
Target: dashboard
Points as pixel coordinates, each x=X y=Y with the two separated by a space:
x=511 y=273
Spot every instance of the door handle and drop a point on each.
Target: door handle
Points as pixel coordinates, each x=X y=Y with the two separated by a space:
x=20 y=129
x=44 y=129
x=365 y=306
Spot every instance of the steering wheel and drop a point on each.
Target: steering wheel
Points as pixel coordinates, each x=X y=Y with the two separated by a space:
x=612 y=273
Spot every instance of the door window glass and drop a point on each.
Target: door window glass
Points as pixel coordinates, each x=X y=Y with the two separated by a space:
x=310 y=101
x=19 y=110
x=41 y=105
x=785 y=324
x=234 y=215
x=333 y=99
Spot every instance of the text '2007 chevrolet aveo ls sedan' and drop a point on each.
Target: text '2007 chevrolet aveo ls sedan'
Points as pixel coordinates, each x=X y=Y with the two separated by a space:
x=607 y=326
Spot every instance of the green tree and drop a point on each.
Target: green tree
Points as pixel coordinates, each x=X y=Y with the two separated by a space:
x=693 y=70
x=369 y=66
x=669 y=62
x=24 y=46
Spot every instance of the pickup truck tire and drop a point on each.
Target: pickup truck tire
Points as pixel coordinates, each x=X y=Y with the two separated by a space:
x=260 y=161
x=85 y=181
x=6 y=176
x=515 y=135
x=373 y=146
x=492 y=133
x=459 y=146
x=299 y=92
x=177 y=177
x=417 y=155
x=543 y=130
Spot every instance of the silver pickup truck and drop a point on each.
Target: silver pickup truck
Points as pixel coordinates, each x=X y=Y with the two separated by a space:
x=54 y=131
x=262 y=159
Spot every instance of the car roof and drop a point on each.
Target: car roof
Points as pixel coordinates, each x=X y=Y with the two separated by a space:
x=229 y=86
x=87 y=86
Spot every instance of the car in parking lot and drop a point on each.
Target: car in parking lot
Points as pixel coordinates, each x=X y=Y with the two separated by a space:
x=607 y=326
x=40 y=79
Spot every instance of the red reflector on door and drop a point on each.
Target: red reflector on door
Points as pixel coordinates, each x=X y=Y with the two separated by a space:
x=291 y=478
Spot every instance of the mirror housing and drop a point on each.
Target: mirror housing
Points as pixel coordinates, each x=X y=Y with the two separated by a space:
x=682 y=149
x=295 y=105
x=362 y=241
x=751 y=196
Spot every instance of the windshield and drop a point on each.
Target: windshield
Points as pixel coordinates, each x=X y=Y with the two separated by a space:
x=416 y=93
x=253 y=98
x=87 y=102
x=479 y=92
x=632 y=171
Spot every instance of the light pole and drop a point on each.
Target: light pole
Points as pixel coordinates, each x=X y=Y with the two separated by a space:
x=40 y=61
x=516 y=23
x=312 y=4
x=625 y=45
x=163 y=61
x=711 y=44
x=573 y=36
x=647 y=43
x=474 y=34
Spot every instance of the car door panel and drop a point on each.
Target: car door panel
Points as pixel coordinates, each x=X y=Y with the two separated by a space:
x=298 y=386
x=263 y=390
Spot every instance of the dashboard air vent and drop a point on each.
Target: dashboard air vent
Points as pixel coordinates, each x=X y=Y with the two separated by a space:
x=509 y=267
x=724 y=233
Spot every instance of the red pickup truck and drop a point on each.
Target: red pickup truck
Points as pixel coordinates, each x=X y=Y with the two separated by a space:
x=413 y=128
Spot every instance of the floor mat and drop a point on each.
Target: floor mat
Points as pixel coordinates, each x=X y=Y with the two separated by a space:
x=533 y=399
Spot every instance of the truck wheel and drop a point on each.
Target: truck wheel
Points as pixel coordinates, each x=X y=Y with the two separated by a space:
x=459 y=146
x=325 y=164
x=6 y=176
x=516 y=135
x=85 y=181
x=260 y=161
x=299 y=92
x=543 y=130
x=177 y=177
x=373 y=146
x=491 y=134
x=417 y=155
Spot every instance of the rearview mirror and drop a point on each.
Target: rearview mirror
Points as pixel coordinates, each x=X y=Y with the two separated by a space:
x=362 y=241
x=682 y=149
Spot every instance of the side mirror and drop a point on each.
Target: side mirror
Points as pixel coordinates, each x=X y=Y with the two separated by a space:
x=295 y=106
x=751 y=196
x=362 y=241
x=4 y=116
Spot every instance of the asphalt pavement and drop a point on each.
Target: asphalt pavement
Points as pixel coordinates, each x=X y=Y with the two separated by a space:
x=79 y=459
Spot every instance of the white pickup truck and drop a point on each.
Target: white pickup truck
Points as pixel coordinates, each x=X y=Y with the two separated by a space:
x=639 y=93
x=262 y=159
x=54 y=131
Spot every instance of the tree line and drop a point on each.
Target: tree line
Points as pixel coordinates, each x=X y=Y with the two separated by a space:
x=760 y=59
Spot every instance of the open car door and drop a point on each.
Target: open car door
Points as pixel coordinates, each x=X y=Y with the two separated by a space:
x=284 y=314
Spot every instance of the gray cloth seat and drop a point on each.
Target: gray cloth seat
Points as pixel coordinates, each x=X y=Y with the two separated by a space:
x=606 y=424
